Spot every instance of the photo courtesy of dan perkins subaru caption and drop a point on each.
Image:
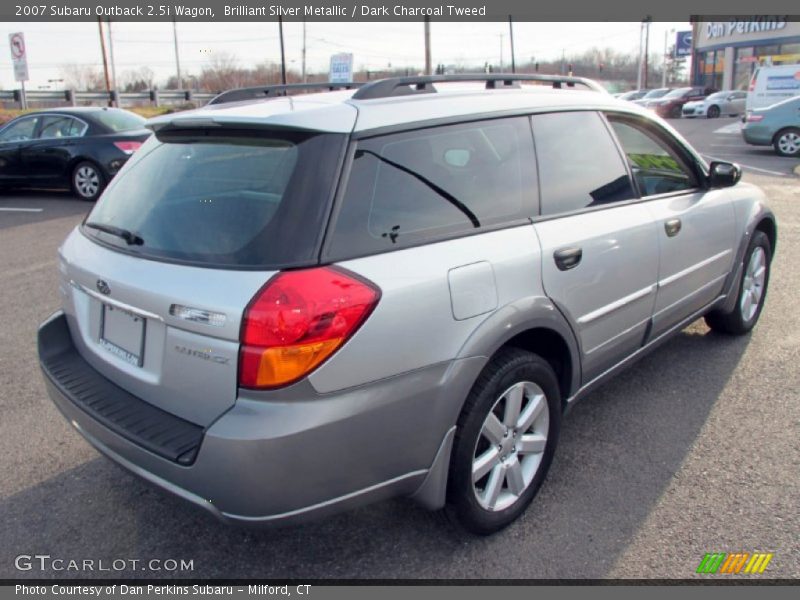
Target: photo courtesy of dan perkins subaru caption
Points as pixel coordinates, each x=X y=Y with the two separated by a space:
x=158 y=590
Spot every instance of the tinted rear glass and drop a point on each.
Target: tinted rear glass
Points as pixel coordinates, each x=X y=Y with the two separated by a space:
x=119 y=120
x=419 y=186
x=224 y=198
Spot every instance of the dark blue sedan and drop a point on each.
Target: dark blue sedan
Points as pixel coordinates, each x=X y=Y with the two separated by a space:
x=82 y=148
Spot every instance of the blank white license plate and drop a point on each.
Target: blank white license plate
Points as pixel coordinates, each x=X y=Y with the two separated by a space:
x=122 y=334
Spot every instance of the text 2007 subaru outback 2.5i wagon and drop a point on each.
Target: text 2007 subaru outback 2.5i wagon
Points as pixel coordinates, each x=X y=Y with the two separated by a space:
x=282 y=308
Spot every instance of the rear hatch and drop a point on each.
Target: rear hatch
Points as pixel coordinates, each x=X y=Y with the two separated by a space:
x=156 y=279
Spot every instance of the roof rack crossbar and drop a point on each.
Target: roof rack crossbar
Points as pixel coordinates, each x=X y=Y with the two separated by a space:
x=270 y=91
x=423 y=84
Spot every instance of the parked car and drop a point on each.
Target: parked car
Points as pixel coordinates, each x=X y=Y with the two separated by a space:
x=634 y=95
x=770 y=85
x=82 y=148
x=777 y=126
x=284 y=308
x=671 y=104
x=716 y=105
x=652 y=95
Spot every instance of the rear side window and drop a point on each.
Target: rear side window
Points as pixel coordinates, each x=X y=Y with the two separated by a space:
x=224 y=198
x=579 y=164
x=413 y=187
x=119 y=120
x=61 y=126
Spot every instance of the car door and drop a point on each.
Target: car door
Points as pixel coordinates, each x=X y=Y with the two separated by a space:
x=46 y=158
x=694 y=226
x=14 y=137
x=736 y=104
x=599 y=245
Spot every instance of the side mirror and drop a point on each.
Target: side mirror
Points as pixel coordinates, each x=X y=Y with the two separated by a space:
x=723 y=174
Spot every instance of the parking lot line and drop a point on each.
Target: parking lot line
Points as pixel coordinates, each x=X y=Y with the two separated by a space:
x=778 y=173
x=12 y=209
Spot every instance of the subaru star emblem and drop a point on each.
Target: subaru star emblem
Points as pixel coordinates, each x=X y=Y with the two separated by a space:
x=102 y=287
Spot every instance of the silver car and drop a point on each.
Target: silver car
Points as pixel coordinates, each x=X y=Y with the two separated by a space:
x=730 y=103
x=286 y=307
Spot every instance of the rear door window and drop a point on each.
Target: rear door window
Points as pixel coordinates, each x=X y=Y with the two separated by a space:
x=229 y=199
x=59 y=126
x=419 y=186
x=579 y=164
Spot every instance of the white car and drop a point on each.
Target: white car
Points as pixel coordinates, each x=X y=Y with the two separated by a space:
x=716 y=105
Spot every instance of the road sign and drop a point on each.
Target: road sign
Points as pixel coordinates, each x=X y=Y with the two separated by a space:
x=19 y=56
x=683 y=44
x=341 y=68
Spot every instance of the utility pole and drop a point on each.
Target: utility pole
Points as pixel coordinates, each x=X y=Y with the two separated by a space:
x=304 y=50
x=639 y=63
x=664 y=73
x=427 y=45
x=646 y=46
x=511 y=34
x=111 y=56
x=283 y=55
x=177 y=56
x=105 y=60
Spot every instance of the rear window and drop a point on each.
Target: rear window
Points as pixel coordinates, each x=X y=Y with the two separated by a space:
x=119 y=120
x=224 y=198
x=408 y=188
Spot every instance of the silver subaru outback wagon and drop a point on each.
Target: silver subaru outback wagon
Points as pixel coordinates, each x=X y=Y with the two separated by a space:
x=286 y=306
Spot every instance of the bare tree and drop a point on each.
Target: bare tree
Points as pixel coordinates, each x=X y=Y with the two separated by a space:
x=82 y=77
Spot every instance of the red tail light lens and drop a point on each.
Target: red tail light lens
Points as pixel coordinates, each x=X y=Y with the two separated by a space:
x=128 y=147
x=299 y=319
x=755 y=118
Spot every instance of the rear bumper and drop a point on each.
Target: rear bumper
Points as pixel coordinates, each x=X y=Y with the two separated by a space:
x=268 y=461
x=757 y=135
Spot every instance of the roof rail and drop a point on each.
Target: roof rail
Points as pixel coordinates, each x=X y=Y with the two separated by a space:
x=423 y=84
x=269 y=91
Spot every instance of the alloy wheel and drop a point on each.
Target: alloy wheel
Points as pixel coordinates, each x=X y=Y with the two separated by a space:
x=753 y=284
x=789 y=142
x=510 y=446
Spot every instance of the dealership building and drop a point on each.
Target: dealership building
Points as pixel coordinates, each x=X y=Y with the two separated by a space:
x=726 y=53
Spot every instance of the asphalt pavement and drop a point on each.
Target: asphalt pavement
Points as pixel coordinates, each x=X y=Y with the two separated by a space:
x=695 y=449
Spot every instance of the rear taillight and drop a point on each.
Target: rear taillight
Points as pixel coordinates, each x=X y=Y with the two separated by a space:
x=754 y=118
x=297 y=320
x=128 y=147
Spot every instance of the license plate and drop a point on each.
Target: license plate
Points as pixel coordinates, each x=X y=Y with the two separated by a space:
x=122 y=334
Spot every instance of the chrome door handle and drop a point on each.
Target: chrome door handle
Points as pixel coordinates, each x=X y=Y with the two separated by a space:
x=672 y=227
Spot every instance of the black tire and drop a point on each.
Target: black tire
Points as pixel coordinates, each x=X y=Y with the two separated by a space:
x=675 y=112
x=792 y=133
x=735 y=322
x=713 y=111
x=509 y=367
x=87 y=181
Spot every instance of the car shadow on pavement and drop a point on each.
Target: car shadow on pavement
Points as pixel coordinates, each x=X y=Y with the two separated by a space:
x=619 y=450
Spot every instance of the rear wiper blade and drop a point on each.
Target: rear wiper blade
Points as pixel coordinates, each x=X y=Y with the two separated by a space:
x=130 y=238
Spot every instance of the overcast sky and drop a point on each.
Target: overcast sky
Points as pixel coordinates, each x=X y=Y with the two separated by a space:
x=374 y=45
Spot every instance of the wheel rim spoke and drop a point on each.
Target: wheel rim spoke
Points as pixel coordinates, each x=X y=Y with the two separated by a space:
x=516 y=482
x=531 y=443
x=494 y=486
x=493 y=430
x=485 y=463
x=513 y=405
x=531 y=413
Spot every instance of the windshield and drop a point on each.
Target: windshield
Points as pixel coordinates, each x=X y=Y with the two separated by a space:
x=677 y=93
x=656 y=93
x=719 y=96
x=119 y=120
x=254 y=199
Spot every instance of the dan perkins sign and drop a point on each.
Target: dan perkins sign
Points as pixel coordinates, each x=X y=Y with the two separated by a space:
x=738 y=28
